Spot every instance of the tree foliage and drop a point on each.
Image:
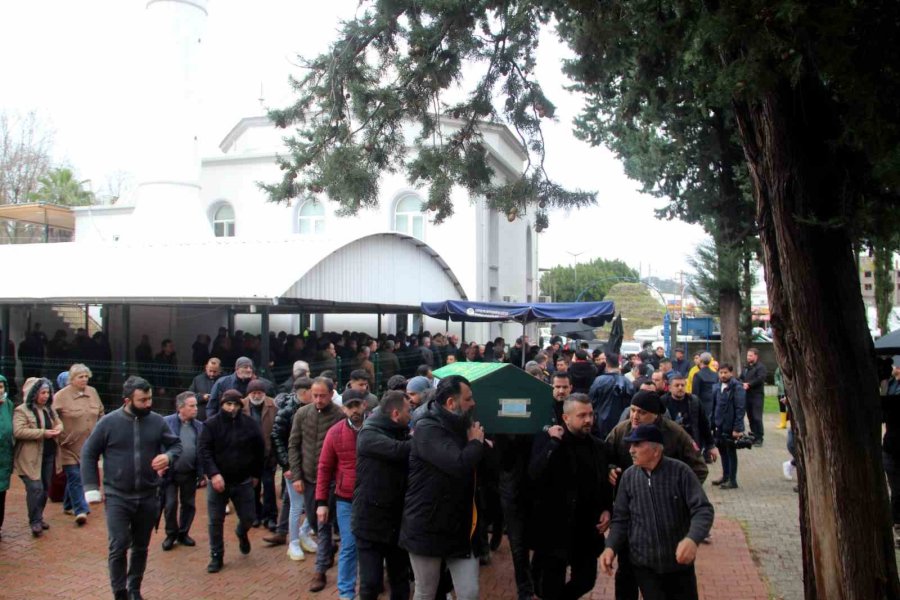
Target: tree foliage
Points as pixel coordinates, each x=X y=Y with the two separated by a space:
x=398 y=65
x=59 y=186
x=564 y=283
x=24 y=156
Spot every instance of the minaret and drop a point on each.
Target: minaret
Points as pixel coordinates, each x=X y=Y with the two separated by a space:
x=167 y=200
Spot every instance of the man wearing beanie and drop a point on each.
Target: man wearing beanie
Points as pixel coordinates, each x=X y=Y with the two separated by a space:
x=415 y=387
x=647 y=409
x=231 y=450
x=239 y=380
x=261 y=408
x=658 y=526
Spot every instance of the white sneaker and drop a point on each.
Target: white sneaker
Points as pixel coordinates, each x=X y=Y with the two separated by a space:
x=307 y=544
x=295 y=552
x=788 y=470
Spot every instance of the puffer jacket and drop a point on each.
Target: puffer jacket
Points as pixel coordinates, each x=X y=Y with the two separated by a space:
x=337 y=463
x=281 y=429
x=382 y=461
x=307 y=438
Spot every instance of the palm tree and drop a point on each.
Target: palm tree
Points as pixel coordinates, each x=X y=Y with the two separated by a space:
x=59 y=186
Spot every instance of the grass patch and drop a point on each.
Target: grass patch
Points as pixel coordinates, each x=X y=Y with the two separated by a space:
x=770 y=405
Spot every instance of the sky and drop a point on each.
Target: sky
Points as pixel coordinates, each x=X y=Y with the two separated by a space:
x=78 y=64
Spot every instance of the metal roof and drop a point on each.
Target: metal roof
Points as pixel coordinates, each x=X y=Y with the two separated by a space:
x=380 y=272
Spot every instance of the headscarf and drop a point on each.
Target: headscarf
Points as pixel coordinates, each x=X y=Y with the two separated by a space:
x=5 y=388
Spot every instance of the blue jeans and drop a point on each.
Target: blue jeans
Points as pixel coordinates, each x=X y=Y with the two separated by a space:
x=74 y=496
x=297 y=511
x=346 y=579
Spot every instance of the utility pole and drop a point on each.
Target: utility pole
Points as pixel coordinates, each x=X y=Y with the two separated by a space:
x=575 y=255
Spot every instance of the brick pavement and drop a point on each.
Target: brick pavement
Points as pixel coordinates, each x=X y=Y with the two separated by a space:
x=70 y=563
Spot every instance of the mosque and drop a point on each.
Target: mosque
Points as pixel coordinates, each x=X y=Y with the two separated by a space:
x=199 y=245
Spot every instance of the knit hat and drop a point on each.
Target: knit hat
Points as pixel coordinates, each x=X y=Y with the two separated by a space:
x=648 y=401
x=230 y=396
x=418 y=384
x=243 y=362
x=257 y=385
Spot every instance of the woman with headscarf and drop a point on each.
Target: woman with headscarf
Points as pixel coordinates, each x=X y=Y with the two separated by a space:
x=7 y=443
x=36 y=427
x=79 y=408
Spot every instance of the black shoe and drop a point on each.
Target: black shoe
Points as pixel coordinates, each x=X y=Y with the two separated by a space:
x=718 y=481
x=729 y=485
x=272 y=526
x=758 y=443
x=135 y=595
x=244 y=543
x=496 y=540
x=120 y=595
x=45 y=525
x=215 y=563
x=256 y=523
x=186 y=540
x=168 y=543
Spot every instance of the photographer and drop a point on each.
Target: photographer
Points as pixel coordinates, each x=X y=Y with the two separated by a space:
x=728 y=422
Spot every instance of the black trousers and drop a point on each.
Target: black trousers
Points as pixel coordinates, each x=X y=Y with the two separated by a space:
x=181 y=490
x=267 y=510
x=516 y=515
x=129 y=524
x=371 y=556
x=582 y=579
x=241 y=495
x=679 y=585
x=626 y=583
x=2 y=507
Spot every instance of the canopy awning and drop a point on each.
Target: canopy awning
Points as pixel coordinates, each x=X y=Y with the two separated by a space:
x=40 y=213
x=594 y=314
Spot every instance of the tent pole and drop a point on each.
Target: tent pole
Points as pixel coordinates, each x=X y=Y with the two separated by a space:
x=523 y=344
x=264 y=345
x=463 y=332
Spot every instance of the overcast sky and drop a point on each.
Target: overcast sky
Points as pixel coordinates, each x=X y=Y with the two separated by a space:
x=77 y=64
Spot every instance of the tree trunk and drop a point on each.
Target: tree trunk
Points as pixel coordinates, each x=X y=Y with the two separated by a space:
x=821 y=340
x=882 y=257
x=729 y=304
x=746 y=297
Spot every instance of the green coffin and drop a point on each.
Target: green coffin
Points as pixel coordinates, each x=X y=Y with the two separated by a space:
x=507 y=399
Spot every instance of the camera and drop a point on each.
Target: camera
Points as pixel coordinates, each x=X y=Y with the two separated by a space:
x=745 y=441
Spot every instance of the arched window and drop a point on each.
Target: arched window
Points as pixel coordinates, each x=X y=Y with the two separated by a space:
x=223 y=221
x=311 y=217
x=408 y=217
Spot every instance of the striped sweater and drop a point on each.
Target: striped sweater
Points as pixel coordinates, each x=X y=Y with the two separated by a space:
x=654 y=512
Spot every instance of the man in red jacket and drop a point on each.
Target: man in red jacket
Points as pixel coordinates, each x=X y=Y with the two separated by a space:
x=337 y=475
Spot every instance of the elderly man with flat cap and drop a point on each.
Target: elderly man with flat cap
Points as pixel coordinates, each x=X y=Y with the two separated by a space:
x=647 y=408
x=660 y=517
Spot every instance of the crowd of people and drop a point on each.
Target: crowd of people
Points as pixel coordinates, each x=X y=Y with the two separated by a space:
x=409 y=481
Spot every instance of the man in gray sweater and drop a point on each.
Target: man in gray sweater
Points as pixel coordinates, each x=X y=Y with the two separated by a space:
x=661 y=515
x=129 y=440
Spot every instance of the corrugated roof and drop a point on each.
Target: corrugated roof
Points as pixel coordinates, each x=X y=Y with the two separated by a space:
x=228 y=271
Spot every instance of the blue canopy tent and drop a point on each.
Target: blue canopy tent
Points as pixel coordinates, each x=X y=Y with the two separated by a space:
x=593 y=314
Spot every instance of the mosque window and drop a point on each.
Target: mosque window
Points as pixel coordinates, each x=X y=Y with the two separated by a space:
x=311 y=217
x=223 y=221
x=408 y=217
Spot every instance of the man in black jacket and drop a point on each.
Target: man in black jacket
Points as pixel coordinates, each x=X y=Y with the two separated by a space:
x=203 y=383
x=754 y=378
x=438 y=520
x=569 y=467
x=382 y=460
x=231 y=450
x=685 y=409
x=130 y=441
